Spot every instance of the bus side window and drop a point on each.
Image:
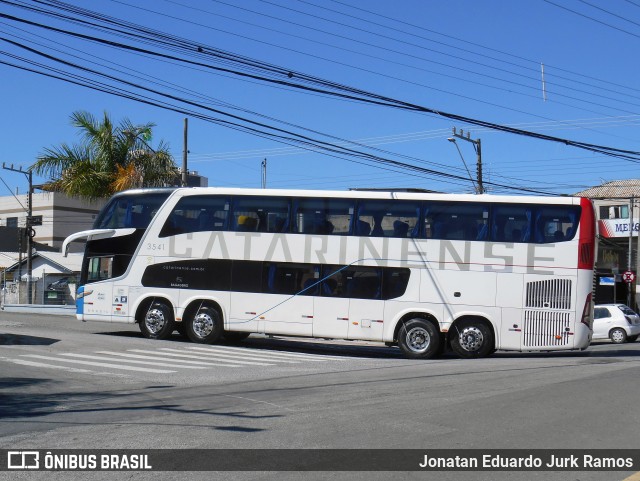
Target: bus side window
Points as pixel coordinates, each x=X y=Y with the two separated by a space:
x=387 y=218
x=261 y=214
x=290 y=279
x=323 y=216
x=197 y=213
x=394 y=282
x=456 y=221
x=511 y=222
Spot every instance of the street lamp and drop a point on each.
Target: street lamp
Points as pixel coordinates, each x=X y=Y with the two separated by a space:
x=453 y=141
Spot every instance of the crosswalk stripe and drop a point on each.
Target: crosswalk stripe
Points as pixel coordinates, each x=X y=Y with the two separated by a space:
x=134 y=361
x=243 y=355
x=183 y=361
x=295 y=355
x=24 y=362
x=179 y=353
x=99 y=364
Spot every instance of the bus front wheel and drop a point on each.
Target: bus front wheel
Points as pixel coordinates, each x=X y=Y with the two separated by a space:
x=205 y=327
x=419 y=339
x=472 y=339
x=158 y=322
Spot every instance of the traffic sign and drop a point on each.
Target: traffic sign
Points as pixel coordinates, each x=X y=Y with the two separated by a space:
x=629 y=276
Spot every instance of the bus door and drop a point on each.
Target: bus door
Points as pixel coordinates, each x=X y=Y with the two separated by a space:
x=330 y=305
x=98 y=297
x=363 y=286
x=290 y=302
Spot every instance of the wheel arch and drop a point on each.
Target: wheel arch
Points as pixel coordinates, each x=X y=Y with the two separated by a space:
x=194 y=304
x=146 y=303
x=472 y=317
x=412 y=315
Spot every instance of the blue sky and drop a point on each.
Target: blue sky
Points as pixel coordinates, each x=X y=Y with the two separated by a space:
x=478 y=59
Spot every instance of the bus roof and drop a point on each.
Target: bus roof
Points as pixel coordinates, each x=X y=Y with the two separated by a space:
x=370 y=194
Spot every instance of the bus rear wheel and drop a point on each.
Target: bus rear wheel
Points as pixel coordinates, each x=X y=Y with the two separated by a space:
x=158 y=322
x=205 y=327
x=419 y=339
x=472 y=339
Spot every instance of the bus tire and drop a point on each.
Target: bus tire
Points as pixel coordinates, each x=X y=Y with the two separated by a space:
x=158 y=321
x=617 y=335
x=419 y=339
x=472 y=339
x=235 y=336
x=205 y=327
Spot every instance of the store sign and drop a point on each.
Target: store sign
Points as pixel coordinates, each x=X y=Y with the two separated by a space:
x=617 y=227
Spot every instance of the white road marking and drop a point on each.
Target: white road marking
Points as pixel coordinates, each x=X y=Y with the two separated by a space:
x=183 y=361
x=99 y=364
x=296 y=355
x=179 y=353
x=134 y=361
x=244 y=355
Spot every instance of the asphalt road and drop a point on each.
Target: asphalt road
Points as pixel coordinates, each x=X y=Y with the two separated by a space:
x=67 y=384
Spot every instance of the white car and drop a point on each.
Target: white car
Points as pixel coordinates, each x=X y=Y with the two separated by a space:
x=616 y=322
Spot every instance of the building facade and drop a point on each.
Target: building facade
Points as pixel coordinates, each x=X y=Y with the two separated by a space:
x=617 y=206
x=55 y=215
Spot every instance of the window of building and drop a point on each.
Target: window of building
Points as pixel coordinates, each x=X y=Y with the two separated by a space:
x=614 y=211
x=12 y=222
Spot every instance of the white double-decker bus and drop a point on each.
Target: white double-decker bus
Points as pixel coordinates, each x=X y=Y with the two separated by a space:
x=474 y=273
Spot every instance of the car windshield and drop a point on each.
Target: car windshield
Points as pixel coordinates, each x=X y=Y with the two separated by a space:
x=627 y=311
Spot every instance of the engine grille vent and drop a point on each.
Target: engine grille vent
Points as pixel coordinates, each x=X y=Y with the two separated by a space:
x=549 y=294
x=546 y=328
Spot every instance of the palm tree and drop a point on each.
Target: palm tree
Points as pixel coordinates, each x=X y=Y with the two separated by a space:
x=109 y=159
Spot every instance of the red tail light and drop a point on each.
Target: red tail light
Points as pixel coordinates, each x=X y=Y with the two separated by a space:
x=587 y=241
x=586 y=312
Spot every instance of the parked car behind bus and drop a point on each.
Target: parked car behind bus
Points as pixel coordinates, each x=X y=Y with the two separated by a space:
x=616 y=322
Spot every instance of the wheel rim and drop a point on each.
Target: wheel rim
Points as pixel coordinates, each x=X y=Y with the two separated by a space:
x=471 y=339
x=155 y=321
x=617 y=336
x=203 y=325
x=418 y=339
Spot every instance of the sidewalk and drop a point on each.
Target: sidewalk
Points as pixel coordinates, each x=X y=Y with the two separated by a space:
x=40 y=309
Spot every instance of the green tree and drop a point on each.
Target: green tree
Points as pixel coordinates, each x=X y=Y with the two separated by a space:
x=109 y=159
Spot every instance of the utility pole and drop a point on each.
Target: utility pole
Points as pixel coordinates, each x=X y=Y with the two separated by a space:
x=184 y=154
x=30 y=233
x=264 y=173
x=630 y=256
x=477 y=146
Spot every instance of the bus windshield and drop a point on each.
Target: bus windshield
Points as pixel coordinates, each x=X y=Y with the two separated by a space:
x=130 y=210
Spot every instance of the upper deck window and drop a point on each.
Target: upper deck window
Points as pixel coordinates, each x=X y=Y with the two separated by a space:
x=323 y=216
x=456 y=221
x=260 y=214
x=197 y=213
x=388 y=218
x=126 y=211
